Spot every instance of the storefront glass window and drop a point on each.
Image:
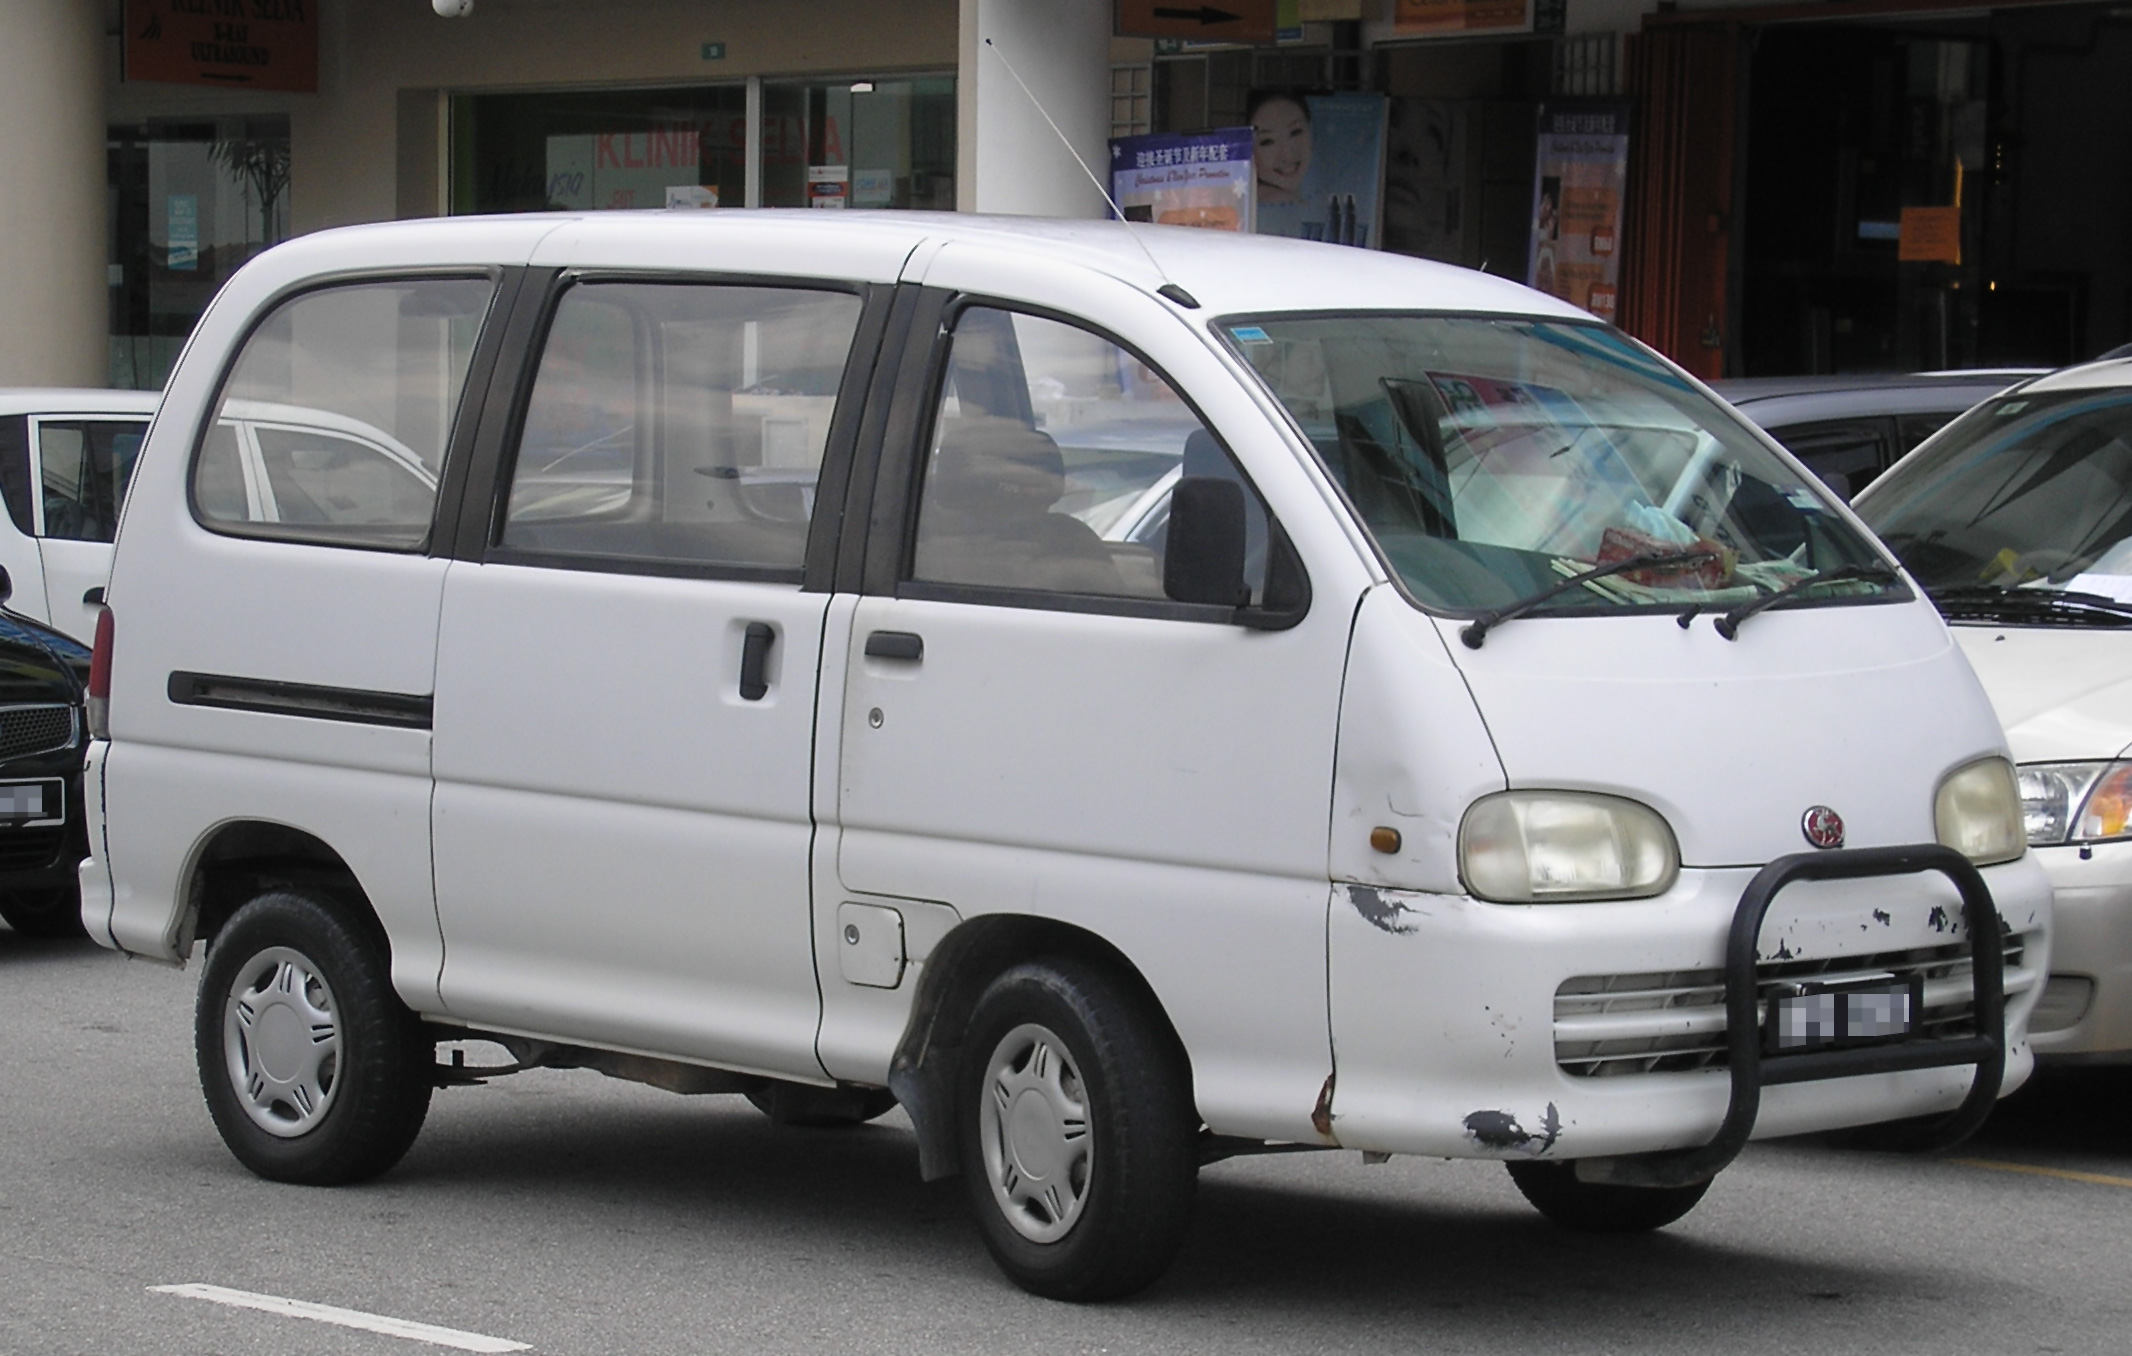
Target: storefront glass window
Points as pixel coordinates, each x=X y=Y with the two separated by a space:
x=602 y=149
x=190 y=201
x=859 y=143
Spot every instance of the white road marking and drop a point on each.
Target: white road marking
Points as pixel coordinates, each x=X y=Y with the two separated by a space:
x=346 y=1318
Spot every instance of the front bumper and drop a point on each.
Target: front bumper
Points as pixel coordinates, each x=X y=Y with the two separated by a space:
x=44 y=856
x=2087 y=1008
x=1466 y=1029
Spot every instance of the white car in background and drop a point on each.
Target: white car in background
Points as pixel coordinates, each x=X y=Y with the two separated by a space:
x=2017 y=519
x=65 y=458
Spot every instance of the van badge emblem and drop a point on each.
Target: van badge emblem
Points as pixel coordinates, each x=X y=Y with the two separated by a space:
x=1822 y=826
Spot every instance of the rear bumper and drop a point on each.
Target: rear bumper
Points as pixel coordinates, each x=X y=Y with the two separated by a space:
x=45 y=857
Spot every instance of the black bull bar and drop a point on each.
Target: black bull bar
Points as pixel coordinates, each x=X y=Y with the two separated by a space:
x=1751 y=1071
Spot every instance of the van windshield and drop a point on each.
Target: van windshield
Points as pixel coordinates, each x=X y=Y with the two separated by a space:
x=2020 y=511
x=1493 y=457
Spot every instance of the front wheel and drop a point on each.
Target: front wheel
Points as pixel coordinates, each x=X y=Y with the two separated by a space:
x=1079 y=1136
x=313 y=1070
x=1601 y=1207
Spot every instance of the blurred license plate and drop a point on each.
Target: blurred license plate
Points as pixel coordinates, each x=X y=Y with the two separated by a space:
x=28 y=802
x=1843 y=1014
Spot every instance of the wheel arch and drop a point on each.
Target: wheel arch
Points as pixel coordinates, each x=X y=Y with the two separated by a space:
x=238 y=859
x=950 y=982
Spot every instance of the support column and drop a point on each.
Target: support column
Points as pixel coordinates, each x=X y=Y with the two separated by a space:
x=54 y=298
x=1008 y=159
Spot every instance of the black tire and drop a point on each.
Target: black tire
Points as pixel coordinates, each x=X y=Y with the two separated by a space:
x=820 y=1108
x=285 y=968
x=53 y=912
x=1600 y=1207
x=1129 y=1191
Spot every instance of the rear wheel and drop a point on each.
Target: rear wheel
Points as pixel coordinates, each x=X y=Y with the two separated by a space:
x=1079 y=1136
x=313 y=1069
x=51 y=912
x=1601 y=1207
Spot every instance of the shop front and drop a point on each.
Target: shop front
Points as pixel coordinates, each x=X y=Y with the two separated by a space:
x=1833 y=186
x=345 y=111
x=1871 y=185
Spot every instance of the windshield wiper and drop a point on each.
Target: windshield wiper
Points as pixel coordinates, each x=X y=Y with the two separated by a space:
x=1728 y=625
x=1475 y=632
x=1998 y=600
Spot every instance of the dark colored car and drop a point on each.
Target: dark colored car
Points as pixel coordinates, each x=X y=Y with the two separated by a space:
x=43 y=831
x=1848 y=429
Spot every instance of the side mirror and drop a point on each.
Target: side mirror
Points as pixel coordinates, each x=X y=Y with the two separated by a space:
x=1204 y=562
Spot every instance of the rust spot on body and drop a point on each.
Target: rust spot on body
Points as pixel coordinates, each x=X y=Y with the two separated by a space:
x=1321 y=1115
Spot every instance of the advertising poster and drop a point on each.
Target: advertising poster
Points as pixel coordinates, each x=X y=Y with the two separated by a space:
x=1425 y=178
x=1580 y=181
x=1319 y=163
x=1184 y=179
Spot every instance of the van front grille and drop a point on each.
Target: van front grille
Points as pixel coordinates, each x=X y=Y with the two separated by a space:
x=25 y=730
x=1674 y=1021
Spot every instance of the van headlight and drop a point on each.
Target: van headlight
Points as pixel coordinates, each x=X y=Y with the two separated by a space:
x=2075 y=802
x=1547 y=847
x=1978 y=812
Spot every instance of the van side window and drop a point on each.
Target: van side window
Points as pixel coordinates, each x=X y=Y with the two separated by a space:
x=1054 y=453
x=680 y=423
x=333 y=423
x=84 y=465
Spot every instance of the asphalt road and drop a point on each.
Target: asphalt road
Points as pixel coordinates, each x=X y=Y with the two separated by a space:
x=580 y=1215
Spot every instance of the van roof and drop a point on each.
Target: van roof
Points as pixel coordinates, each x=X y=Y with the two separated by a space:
x=1226 y=272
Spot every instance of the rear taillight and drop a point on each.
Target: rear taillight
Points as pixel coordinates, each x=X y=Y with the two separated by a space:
x=100 y=679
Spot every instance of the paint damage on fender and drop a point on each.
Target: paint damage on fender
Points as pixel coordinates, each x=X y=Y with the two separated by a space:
x=1380 y=912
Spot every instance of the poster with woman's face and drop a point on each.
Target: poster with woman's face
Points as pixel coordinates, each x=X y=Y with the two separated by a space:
x=1318 y=162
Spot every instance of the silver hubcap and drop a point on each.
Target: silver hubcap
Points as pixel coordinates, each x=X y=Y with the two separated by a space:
x=281 y=1037
x=1033 y=1122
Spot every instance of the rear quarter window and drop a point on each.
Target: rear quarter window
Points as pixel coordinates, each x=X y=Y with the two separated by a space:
x=332 y=424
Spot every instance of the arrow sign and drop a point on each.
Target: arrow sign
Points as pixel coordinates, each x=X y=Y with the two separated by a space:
x=1250 y=21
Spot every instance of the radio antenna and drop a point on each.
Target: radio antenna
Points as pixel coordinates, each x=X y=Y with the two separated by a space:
x=1168 y=289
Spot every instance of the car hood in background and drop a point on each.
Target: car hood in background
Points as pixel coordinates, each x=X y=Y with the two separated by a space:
x=2064 y=693
x=38 y=664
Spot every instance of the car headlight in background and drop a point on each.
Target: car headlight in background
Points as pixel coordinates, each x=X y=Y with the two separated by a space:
x=1979 y=810
x=1543 y=847
x=2076 y=802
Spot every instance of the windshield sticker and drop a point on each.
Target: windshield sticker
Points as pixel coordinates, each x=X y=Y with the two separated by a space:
x=1251 y=334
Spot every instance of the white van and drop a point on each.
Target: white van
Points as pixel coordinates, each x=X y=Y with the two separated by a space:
x=64 y=459
x=784 y=684
x=2014 y=519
